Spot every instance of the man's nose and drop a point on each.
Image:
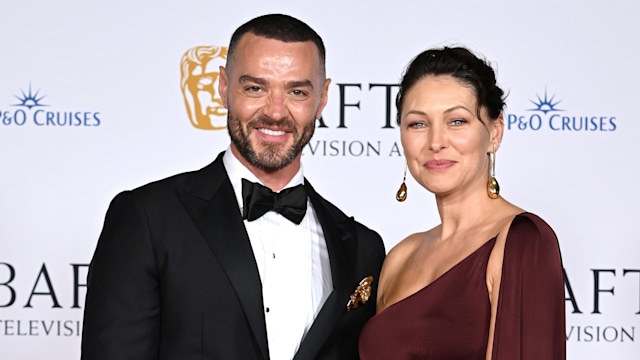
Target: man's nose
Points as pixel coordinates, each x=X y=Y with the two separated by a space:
x=276 y=107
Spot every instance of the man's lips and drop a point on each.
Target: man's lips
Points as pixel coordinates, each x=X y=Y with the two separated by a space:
x=439 y=164
x=273 y=133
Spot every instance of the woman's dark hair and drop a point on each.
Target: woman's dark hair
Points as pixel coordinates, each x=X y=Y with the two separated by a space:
x=461 y=64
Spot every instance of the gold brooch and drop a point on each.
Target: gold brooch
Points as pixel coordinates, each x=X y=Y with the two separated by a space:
x=361 y=294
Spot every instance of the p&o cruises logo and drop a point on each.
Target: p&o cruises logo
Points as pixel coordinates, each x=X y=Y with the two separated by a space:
x=547 y=114
x=32 y=110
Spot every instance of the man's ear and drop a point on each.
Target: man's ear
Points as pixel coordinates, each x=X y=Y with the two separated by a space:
x=323 y=98
x=223 y=85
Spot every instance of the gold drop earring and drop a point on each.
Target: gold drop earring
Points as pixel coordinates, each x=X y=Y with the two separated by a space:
x=401 y=194
x=493 y=188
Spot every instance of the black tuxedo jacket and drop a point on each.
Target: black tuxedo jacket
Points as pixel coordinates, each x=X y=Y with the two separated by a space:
x=174 y=277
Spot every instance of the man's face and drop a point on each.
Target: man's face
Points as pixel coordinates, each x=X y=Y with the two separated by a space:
x=273 y=91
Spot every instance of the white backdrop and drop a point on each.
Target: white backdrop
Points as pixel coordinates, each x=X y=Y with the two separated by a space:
x=569 y=153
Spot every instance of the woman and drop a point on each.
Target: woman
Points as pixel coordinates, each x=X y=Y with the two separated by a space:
x=486 y=283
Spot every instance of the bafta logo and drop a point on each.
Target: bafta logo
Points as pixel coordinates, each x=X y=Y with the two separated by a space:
x=199 y=73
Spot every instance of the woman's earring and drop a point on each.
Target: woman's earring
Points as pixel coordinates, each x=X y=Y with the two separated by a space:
x=401 y=194
x=493 y=189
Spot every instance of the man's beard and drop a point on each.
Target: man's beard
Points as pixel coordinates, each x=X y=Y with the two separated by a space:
x=272 y=156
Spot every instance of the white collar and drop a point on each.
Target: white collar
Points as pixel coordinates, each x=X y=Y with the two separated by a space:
x=237 y=171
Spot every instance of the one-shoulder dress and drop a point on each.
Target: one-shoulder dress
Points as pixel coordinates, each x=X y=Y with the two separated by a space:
x=450 y=317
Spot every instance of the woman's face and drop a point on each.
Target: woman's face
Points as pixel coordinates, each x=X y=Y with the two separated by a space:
x=445 y=144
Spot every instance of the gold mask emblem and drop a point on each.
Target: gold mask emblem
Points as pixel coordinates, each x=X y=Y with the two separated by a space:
x=199 y=73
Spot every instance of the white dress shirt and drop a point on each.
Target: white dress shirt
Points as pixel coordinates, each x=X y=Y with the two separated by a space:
x=293 y=263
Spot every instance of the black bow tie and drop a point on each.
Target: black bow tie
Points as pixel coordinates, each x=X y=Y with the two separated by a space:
x=258 y=199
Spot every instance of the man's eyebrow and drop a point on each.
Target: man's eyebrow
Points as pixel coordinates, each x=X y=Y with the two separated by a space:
x=253 y=79
x=300 y=83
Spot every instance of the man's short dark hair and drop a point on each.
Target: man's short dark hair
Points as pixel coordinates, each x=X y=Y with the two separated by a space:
x=280 y=27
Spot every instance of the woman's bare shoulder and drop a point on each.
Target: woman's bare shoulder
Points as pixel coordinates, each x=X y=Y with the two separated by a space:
x=408 y=245
x=402 y=251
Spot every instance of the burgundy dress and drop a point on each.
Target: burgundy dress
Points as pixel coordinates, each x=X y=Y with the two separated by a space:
x=450 y=318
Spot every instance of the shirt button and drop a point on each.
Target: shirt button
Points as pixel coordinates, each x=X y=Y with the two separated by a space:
x=266 y=309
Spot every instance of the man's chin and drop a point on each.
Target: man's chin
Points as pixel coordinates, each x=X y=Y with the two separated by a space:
x=272 y=159
x=277 y=149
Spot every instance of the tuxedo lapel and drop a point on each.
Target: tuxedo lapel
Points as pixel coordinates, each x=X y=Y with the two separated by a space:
x=339 y=236
x=212 y=205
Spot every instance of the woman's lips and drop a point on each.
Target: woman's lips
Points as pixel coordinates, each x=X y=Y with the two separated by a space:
x=439 y=164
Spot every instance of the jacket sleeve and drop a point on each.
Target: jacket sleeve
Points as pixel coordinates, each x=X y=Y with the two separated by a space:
x=530 y=320
x=121 y=316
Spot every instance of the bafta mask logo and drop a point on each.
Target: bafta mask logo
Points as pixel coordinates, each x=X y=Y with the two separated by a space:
x=199 y=75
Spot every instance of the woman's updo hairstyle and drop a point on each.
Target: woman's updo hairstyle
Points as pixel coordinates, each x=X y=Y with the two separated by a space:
x=461 y=64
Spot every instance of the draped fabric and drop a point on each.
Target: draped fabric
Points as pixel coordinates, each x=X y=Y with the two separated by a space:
x=450 y=318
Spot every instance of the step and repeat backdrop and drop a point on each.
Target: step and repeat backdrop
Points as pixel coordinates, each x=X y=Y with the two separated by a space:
x=99 y=97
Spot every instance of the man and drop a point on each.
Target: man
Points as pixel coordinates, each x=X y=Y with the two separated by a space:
x=189 y=267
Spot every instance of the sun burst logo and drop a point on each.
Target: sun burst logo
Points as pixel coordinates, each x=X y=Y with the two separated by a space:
x=545 y=104
x=30 y=99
